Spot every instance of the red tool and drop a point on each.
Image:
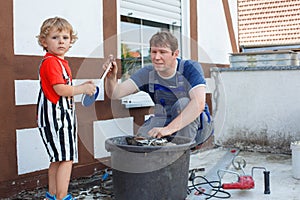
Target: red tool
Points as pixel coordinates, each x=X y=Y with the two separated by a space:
x=245 y=182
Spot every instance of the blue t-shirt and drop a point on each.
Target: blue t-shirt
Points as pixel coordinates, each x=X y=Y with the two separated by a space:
x=192 y=73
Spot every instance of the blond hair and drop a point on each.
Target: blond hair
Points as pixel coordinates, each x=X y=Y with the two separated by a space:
x=59 y=24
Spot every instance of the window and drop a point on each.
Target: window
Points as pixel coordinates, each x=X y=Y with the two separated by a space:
x=135 y=36
x=139 y=21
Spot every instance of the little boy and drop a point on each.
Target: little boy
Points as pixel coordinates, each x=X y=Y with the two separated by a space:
x=56 y=108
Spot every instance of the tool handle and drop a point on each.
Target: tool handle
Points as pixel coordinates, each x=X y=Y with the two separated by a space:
x=267 y=182
x=106 y=71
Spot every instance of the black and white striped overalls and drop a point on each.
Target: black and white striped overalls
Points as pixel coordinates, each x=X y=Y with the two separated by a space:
x=57 y=124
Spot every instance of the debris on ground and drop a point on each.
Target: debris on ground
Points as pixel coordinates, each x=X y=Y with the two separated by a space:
x=98 y=186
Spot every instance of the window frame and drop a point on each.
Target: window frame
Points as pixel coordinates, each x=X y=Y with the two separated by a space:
x=180 y=30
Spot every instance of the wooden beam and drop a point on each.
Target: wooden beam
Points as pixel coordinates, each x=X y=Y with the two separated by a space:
x=194 y=29
x=230 y=26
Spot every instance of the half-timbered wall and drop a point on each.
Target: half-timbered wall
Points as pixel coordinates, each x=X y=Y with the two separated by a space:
x=23 y=160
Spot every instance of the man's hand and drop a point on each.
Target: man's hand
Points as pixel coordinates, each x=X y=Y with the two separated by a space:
x=159 y=132
x=111 y=63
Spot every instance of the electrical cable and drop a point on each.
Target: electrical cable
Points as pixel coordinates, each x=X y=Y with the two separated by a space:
x=215 y=185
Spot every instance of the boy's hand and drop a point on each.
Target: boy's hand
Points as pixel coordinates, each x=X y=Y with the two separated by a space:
x=89 y=88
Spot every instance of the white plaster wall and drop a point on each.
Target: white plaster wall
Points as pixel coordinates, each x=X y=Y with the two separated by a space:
x=261 y=107
x=213 y=38
x=85 y=17
x=31 y=153
x=185 y=30
x=106 y=129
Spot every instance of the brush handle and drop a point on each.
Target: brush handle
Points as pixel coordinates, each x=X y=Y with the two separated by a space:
x=106 y=71
x=267 y=182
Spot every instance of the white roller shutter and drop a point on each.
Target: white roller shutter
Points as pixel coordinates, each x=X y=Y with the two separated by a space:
x=163 y=11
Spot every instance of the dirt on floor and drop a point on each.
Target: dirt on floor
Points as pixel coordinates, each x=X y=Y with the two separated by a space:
x=97 y=186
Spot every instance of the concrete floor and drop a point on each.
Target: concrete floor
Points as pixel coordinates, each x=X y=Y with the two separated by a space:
x=282 y=183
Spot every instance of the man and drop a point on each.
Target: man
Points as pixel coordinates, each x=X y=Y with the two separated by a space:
x=176 y=87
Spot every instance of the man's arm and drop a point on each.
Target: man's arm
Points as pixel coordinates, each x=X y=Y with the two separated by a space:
x=115 y=90
x=194 y=108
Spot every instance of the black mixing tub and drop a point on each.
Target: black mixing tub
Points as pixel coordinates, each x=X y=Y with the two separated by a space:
x=149 y=172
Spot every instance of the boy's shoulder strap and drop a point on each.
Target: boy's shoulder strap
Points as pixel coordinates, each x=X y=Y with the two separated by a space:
x=65 y=74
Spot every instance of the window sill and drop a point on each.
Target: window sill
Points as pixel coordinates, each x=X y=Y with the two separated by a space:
x=140 y=99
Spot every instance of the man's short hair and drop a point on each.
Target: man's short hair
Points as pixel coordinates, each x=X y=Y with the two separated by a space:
x=164 y=39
